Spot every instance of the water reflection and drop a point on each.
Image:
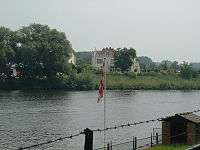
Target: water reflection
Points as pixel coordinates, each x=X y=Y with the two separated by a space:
x=29 y=117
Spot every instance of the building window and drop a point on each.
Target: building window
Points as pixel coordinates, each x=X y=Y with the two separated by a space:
x=112 y=68
x=99 y=61
x=112 y=61
x=107 y=53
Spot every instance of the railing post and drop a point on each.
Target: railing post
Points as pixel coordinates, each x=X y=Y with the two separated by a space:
x=111 y=145
x=156 y=138
x=135 y=142
x=151 y=140
x=108 y=146
x=88 y=139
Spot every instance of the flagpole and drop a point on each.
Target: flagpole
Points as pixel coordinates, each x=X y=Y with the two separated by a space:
x=105 y=103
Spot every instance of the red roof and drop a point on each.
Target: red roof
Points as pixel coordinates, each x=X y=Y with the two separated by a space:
x=105 y=50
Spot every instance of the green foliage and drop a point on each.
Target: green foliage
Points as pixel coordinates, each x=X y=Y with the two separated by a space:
x=43 y=51
x=85 y=81
x=170 y=147
x=167 y=62
x=83 y=58
x=117 y=73
x=130 y=74
x=36 y=51
x=145 y=62
x=161 y=82
x=187 y=72
x=175 y=65
x=85 y=68
x=124 y=58
x=156 y=70
x=118 y=69
x=7 y=52
x=164 y=66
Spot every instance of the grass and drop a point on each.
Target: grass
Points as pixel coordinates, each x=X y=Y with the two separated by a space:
x=170 y=147
x=162 y=82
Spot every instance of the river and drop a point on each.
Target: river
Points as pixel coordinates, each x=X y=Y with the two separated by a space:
x=30 y=117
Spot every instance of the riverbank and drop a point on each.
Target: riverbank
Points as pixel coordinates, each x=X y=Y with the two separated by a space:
x=162 y=82
x=113 y=82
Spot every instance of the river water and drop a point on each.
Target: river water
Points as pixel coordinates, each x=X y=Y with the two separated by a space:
x=30 y=117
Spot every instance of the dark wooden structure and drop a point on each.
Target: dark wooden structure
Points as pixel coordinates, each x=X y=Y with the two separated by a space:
x=181 y=129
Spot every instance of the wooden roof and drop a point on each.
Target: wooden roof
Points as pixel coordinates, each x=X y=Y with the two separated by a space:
x=186 y=116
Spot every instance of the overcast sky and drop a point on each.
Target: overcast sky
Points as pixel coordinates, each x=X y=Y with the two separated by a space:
x=160 y=29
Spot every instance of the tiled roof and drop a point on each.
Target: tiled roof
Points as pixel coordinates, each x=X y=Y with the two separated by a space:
x=104 y=50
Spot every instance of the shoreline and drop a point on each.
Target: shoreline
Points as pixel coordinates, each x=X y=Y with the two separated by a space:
x=111 y=89
x=114 y=82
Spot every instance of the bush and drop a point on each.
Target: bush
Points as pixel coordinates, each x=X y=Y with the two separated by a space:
x=98 y=71
x=130 y=74
x=156 y=70
x=195 y=74
x=187 y=72
x=118 y=70
x=117 y=73
x=85 y=81
x=152 y=73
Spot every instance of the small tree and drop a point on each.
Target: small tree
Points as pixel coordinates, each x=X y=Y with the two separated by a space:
x=124 y=58
x=187 y=71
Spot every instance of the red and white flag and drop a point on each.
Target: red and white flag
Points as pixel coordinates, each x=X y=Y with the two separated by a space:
x=101 y=87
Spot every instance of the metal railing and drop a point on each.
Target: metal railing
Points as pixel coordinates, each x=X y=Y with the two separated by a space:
x=143 y=142
x=134 y=143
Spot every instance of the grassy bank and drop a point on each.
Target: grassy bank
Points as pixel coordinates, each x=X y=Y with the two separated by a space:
x=114 y=82
x=161 y=82
x=167 y=147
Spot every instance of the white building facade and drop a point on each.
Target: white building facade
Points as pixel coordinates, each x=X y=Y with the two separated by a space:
x=108 y=54
x=99 y=56
x=72 y=59
x=135 y=66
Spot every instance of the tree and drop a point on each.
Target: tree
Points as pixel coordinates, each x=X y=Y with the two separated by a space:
x=7 y=53
x=42 y=51
x=145 y=62
x=164 y=66
x=124 y=58
x=167 y=62
x=175 y=65
x=83 y=58
x=187 y=71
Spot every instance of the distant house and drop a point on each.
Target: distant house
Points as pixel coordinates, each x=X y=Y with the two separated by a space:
x=136 y=66
x=181 y=129
x=108 y=54
x=72 y=59
x=98 y=58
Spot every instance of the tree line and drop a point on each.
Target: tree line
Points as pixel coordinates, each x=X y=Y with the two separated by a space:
x=35 y=51
x=39 y=55
x=124 y=59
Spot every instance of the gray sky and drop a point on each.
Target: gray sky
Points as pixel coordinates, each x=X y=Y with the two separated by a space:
x=160 y=29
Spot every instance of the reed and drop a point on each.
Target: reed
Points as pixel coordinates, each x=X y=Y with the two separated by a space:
x=162 y=82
